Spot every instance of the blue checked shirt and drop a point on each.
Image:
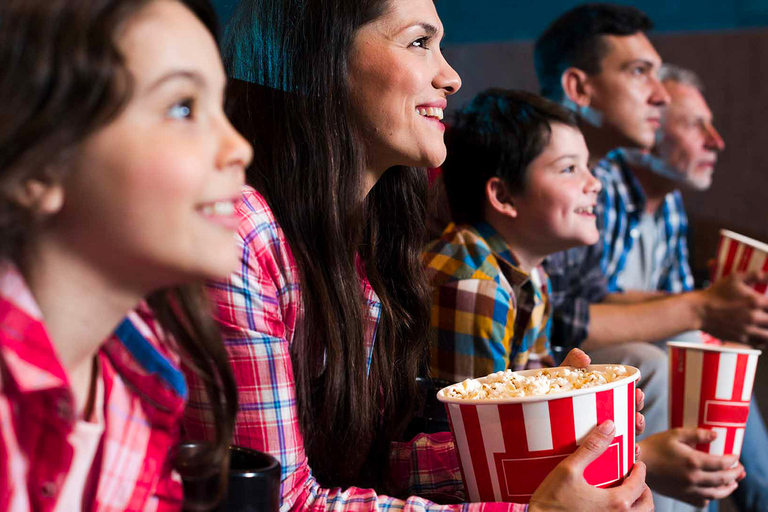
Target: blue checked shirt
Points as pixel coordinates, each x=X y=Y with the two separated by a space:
x=585 y=275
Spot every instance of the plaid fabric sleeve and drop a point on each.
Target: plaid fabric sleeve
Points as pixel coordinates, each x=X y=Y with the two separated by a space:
x=472 y=329
x=577 y=281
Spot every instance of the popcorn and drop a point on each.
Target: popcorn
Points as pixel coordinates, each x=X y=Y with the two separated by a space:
x=509 y=384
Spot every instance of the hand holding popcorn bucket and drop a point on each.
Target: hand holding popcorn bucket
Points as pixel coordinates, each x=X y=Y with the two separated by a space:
x=710 y=387
x=738 y=253
x=508 y=446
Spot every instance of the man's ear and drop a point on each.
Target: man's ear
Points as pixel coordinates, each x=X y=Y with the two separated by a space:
x=576 y=86
x=44 y=197
x=499 y=198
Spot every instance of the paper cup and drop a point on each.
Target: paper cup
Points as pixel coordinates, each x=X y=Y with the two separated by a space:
x=738 y=253
x=508 y=447
x=710 y=387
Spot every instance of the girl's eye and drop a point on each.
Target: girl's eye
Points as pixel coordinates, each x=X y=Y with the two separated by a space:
x=421 y=42
x=570 y=169
x=181 y=109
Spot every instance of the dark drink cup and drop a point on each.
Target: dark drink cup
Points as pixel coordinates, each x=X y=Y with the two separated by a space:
x=253 y=483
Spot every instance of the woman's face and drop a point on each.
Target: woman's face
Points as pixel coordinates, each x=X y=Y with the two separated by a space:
x=151 y=195
x=400 y=81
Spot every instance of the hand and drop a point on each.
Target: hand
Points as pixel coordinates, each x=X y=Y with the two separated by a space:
x=579 y=359
x=732 y=310
x=565 y=488
x=678 y=470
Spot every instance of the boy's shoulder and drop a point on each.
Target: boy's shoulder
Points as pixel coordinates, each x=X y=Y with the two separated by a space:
x=460 y=253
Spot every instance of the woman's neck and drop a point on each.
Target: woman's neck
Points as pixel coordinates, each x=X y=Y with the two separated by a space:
x=81 y=307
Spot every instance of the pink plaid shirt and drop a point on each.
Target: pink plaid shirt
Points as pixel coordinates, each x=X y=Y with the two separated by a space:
x=143 y=402
x=258 y=310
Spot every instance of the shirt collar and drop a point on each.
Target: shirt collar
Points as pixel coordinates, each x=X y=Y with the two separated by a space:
x=503 y=253
x=29 y=356
x=635 y=196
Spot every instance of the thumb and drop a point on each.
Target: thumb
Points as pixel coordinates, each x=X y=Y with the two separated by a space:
x=694 y=436
x=593 y=445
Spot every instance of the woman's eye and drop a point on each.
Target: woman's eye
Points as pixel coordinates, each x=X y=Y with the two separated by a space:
x=181 y=109
x=421 y=42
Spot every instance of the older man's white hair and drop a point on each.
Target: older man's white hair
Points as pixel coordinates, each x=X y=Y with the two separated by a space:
x=673 y=73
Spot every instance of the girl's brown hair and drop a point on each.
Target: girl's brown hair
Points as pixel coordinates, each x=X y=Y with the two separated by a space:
x=63 y=78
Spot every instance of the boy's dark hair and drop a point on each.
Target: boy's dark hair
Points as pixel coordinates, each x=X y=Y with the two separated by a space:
x=575 y=39
x=498 y=134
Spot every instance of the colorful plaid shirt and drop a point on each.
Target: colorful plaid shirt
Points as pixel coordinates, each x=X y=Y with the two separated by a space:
x=622 y=202
x=487 y=314
x=143 y=403
x=258 y=310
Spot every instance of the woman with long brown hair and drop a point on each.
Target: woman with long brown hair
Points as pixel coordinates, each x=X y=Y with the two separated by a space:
x=325 y=321
x=118 y=173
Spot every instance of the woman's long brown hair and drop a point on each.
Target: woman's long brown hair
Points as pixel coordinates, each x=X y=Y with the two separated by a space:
x=63 y=78
x=309 y=165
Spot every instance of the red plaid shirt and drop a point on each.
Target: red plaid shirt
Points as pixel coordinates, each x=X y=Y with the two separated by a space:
x=258 y=310
x=143 y=403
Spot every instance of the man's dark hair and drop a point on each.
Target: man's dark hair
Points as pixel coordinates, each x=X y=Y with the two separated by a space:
x=498 y=134
x=575 y=39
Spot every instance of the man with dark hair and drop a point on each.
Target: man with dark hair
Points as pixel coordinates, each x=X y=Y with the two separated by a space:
x=620 y=100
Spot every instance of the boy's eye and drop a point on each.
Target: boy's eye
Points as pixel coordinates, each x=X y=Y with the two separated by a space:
x=421 y=42
x=181 y=109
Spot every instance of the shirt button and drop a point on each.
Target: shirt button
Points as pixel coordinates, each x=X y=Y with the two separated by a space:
x=64 y=409
x=48 y=490
x=634 y=232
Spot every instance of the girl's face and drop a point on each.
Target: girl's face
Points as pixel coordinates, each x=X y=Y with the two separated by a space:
x=400 y=81
x=151 y=195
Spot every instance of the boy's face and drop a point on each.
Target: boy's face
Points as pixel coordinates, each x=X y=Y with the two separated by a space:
x=556 y=210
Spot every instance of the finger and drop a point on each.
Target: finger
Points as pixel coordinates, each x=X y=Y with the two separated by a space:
x=716 y=462
x=693 y=436
x=633 y=488
x=639 y=423
x=593 y=446
x=644 y=502
x=723 y=478
x=716 y=493
x=576 y=358
x=756 y=335
x=639 y=399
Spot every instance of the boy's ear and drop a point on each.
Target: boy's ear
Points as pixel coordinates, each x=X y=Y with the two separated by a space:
x=499 y=198
x=44 y=197
x=576 y=86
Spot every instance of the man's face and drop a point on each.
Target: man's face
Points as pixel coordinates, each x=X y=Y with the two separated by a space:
x=627 y=91
x=688 y=142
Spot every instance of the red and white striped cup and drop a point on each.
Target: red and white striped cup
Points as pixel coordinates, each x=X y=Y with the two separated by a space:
x=508 y=447
x=710 y=387
x=738 y=253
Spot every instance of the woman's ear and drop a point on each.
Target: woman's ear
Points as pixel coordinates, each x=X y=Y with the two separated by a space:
x=576 y=86
x=44 y=197
x=499 y=198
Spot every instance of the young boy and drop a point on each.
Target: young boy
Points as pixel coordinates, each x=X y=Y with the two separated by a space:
x=519 y=189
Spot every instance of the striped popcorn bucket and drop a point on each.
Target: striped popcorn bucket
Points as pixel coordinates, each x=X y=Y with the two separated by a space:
x=710 y=387
x=738 y=253
x=508 y=447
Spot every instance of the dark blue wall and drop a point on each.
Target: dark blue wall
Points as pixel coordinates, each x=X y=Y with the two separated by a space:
x=468 y=21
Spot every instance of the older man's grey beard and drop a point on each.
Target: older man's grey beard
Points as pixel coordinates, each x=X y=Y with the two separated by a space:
x=659 y=166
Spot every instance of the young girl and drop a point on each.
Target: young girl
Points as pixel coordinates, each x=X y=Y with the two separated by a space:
x=325 y=321
x=118 y=173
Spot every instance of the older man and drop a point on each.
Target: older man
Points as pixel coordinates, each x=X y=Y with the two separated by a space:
x=644 y=248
